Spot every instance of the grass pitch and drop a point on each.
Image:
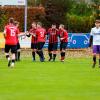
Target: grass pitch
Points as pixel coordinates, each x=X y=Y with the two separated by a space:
x=71 y=80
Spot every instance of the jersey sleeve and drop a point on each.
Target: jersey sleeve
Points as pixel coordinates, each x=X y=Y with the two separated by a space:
x=65 y=35
x=18 y=31
x=5 y=30
x=30 y=31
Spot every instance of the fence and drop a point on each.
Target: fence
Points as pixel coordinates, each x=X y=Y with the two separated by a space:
x=75 y=40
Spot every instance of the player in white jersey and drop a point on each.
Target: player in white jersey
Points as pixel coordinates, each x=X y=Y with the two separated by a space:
x=95 y=40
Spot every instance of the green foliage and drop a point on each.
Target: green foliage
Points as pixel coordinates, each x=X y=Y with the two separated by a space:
x=96 y=7
x=97 y=2
x=81 y=9
x=80 y=18
x=3 y=19
x=56 y=10
x=36 y=2
x=80 y=24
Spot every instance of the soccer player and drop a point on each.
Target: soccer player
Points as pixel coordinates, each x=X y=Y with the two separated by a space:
x=32 y=32
x=63 y=41
x=53 y=42
x=16 y=23
x=41 y=38
x=95 y=38
x=10 y=34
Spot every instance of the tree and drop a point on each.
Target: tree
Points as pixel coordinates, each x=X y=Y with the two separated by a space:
x=96 y=6
x=36 y=2
x=56 y=10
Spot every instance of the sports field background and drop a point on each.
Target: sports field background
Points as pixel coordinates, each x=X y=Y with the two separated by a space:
x=72 y=80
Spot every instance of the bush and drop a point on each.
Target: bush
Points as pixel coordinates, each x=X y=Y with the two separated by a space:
x=80 y=24
x=34 y=13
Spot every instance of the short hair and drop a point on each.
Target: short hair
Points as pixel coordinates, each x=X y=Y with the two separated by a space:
x=11 y=20
x=39 y=23
x=54 y=24
x=97 y=21
x=62 y=25
x=33 y=22
x=16 y=22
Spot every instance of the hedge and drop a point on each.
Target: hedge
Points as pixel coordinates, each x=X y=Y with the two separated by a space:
x=34 y=13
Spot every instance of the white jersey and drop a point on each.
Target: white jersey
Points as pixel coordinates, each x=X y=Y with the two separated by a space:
x=95 y=32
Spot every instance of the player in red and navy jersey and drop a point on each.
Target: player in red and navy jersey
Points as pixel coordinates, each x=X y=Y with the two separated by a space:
x=63 y=41
x=32 y=32
x=53 y=42
x=10 y=34
x=16 y=23
x=41 y=38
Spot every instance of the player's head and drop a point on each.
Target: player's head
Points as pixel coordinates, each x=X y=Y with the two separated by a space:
x=34 y=25
x=16 y=23
x=61 y=26
x=53 y=26
x=39 y=24
x=97 y=23
x=11 y=20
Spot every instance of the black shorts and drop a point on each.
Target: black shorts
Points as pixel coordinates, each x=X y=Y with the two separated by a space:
x=18 y=46
x=63 y=45
x=40 y=45
x=52 y=46
x=13 y=48
x=33 y=45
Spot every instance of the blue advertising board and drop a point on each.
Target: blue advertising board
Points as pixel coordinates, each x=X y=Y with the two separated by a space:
x=76 y=40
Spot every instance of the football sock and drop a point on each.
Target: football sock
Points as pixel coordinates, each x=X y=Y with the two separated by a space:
x=33 y=55
x=50 y=55
x=18 y=56
x=13 y=61
x=7 y=57
x=54 y=57
x=99 y=62
x=41 y=54
x=62 y=54
x=94 y=59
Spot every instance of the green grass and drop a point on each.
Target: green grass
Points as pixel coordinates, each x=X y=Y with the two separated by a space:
x=71 y=80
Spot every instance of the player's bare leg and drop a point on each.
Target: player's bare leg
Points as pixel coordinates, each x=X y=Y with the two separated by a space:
x=94 y=60
x=8 y=58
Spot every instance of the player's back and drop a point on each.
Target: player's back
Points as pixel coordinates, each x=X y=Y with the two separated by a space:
x=41 y=32
x=11 y=32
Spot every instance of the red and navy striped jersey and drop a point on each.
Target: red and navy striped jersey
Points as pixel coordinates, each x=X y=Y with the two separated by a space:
x=53 y=35
x=63 y=34
x=34 y=36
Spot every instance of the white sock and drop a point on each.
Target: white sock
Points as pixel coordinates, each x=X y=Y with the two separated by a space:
x=12 y=64
x=9 y=59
